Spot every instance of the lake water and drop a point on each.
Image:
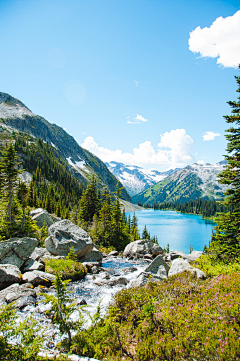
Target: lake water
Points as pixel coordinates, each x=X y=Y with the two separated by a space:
x=178 y=229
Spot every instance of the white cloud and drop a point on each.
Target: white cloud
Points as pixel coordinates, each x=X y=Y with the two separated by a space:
x=138 y=119
x=221 y=40
x=210 y=135
x=174 y=150
x=136 y=82
x=201 y=162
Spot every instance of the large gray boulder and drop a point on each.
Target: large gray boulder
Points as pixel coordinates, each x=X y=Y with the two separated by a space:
x=64 y=235
x=158 y=267
x=41 y=217
x=31 y=265
x=15 y=291
x=16 y=251
x=143 y=278
x=179 y=265
x=9 y=274
x=138 y=249
x=94 y=256
x=37 y=278
x=39 y=253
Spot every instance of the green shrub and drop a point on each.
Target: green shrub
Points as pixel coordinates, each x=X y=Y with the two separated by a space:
x=106 y=249
x=213 y=267
x=66 y=268
x=181 y=318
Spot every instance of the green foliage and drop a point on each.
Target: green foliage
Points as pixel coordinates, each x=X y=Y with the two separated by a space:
x=72 y=255
x=181 y=318
x=207 y=208
x=66 y=269
x=61 y=309
x=225 y=244
x=28 y=339
x=212 y=266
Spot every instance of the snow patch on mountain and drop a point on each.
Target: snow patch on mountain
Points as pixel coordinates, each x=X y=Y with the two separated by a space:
x=136 y=179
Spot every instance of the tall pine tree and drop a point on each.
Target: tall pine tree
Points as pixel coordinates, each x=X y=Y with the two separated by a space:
x=226 y=242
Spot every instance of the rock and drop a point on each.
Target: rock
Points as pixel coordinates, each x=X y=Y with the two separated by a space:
x=11 y=293
x=39 y=253
x=94 y=256
x=16 y=251
x=130 y=269
x=140 y=281
x=31 y=265
x=117 y=281
x=138 y=249
x=180 y=265
x=38 y=278
x=42 y=218
x=113 y=253
x=25 y=301
x=64 y=235
x=158 y=267
x=9 y=274
x=195 y=255
x=82 y=302
x=148 y=256
x=56 y=219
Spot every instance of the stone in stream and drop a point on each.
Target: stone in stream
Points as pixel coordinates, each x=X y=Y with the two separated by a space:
x=9 y=274
x=38 y=278
x=16 y=251
x=94 y=256
x=64 y=235
x=15 y=291
x=138 y=249
x=25 y=301
x=117 y=281
x=113 y=254
x=180 y=265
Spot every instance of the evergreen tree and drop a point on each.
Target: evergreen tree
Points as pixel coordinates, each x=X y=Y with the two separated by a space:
x=226 y=242
x=22 y=194
x=145 y=234
x=10 y=174
x=89 y=202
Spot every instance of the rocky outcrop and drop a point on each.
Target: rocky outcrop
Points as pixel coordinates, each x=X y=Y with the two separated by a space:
x=179 y=254
x=37 y=278
x=15 y=291
x=9 y=274
x=179 y=265
x=16 y=251
x=94 y=256
x=158 y=267
x=64 y=235
x=41 y=217
x=31 y=265
x=138 y=249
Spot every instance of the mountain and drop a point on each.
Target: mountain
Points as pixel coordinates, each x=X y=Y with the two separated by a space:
x=15 y=116
x=136 y=179
x=190 y=183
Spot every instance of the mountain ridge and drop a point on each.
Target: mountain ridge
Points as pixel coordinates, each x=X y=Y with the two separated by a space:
x=190 y=183
x=15 y=116
x=136 y=179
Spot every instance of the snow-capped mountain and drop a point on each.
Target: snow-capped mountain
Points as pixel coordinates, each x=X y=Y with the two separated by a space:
x=190 y=183
x=136 y=179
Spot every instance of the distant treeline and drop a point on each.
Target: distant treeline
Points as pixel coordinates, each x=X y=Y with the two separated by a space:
x=207 y=208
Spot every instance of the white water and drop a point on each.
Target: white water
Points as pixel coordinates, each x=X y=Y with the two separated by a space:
x=92 y=289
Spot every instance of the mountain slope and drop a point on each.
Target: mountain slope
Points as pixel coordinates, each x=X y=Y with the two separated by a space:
x=192 y=182
x=15 y=116
x=136 y=179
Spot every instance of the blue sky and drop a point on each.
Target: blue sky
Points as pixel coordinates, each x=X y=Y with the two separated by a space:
x=122 y=76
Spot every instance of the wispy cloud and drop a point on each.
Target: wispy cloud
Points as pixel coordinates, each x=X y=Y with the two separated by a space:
x=210 y=135
x=136 y=82
x=138 y=119
x=175 y=149
x=221 y=40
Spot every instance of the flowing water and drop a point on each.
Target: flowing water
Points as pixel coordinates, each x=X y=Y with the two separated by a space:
x=179 y=230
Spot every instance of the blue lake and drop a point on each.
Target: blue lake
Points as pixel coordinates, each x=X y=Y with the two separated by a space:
x=178 y=229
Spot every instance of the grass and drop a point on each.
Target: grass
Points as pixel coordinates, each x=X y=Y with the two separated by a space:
x=67 y=268
x=181 y=318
